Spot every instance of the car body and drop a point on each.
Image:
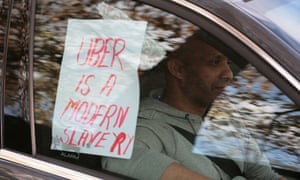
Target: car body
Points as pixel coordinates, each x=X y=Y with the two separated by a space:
x=32 y=43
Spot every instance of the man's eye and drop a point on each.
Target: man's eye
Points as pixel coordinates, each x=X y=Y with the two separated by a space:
x=218 y=60
x=215 y=61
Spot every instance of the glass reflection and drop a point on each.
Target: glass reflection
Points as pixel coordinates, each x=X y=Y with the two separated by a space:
x=253 y=114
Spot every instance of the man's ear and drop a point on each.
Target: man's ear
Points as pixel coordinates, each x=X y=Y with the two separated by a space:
x=175 y=67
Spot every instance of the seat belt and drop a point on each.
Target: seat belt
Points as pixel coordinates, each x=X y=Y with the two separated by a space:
x=227 y=165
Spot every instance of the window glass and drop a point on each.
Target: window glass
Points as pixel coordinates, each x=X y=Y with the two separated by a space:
x=16 y=81
x=251 y=100
x=269 y=116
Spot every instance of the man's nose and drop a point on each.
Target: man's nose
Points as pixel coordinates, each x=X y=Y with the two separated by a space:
x=227 y=73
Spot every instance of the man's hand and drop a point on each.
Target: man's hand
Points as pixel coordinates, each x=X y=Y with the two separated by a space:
x=176 y=171
x=282 y=178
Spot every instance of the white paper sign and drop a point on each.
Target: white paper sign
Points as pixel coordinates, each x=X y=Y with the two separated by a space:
x=98 y=93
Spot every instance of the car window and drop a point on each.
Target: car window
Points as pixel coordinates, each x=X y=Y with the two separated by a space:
x=170 y=31
x=14 y=63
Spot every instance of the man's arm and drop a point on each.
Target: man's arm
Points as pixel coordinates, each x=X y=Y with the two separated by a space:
x=282 y=178
x=176 y=171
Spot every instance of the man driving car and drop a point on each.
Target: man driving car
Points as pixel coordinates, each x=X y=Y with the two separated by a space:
x=195 y=74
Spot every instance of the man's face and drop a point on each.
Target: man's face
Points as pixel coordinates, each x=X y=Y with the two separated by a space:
x=206 y=75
